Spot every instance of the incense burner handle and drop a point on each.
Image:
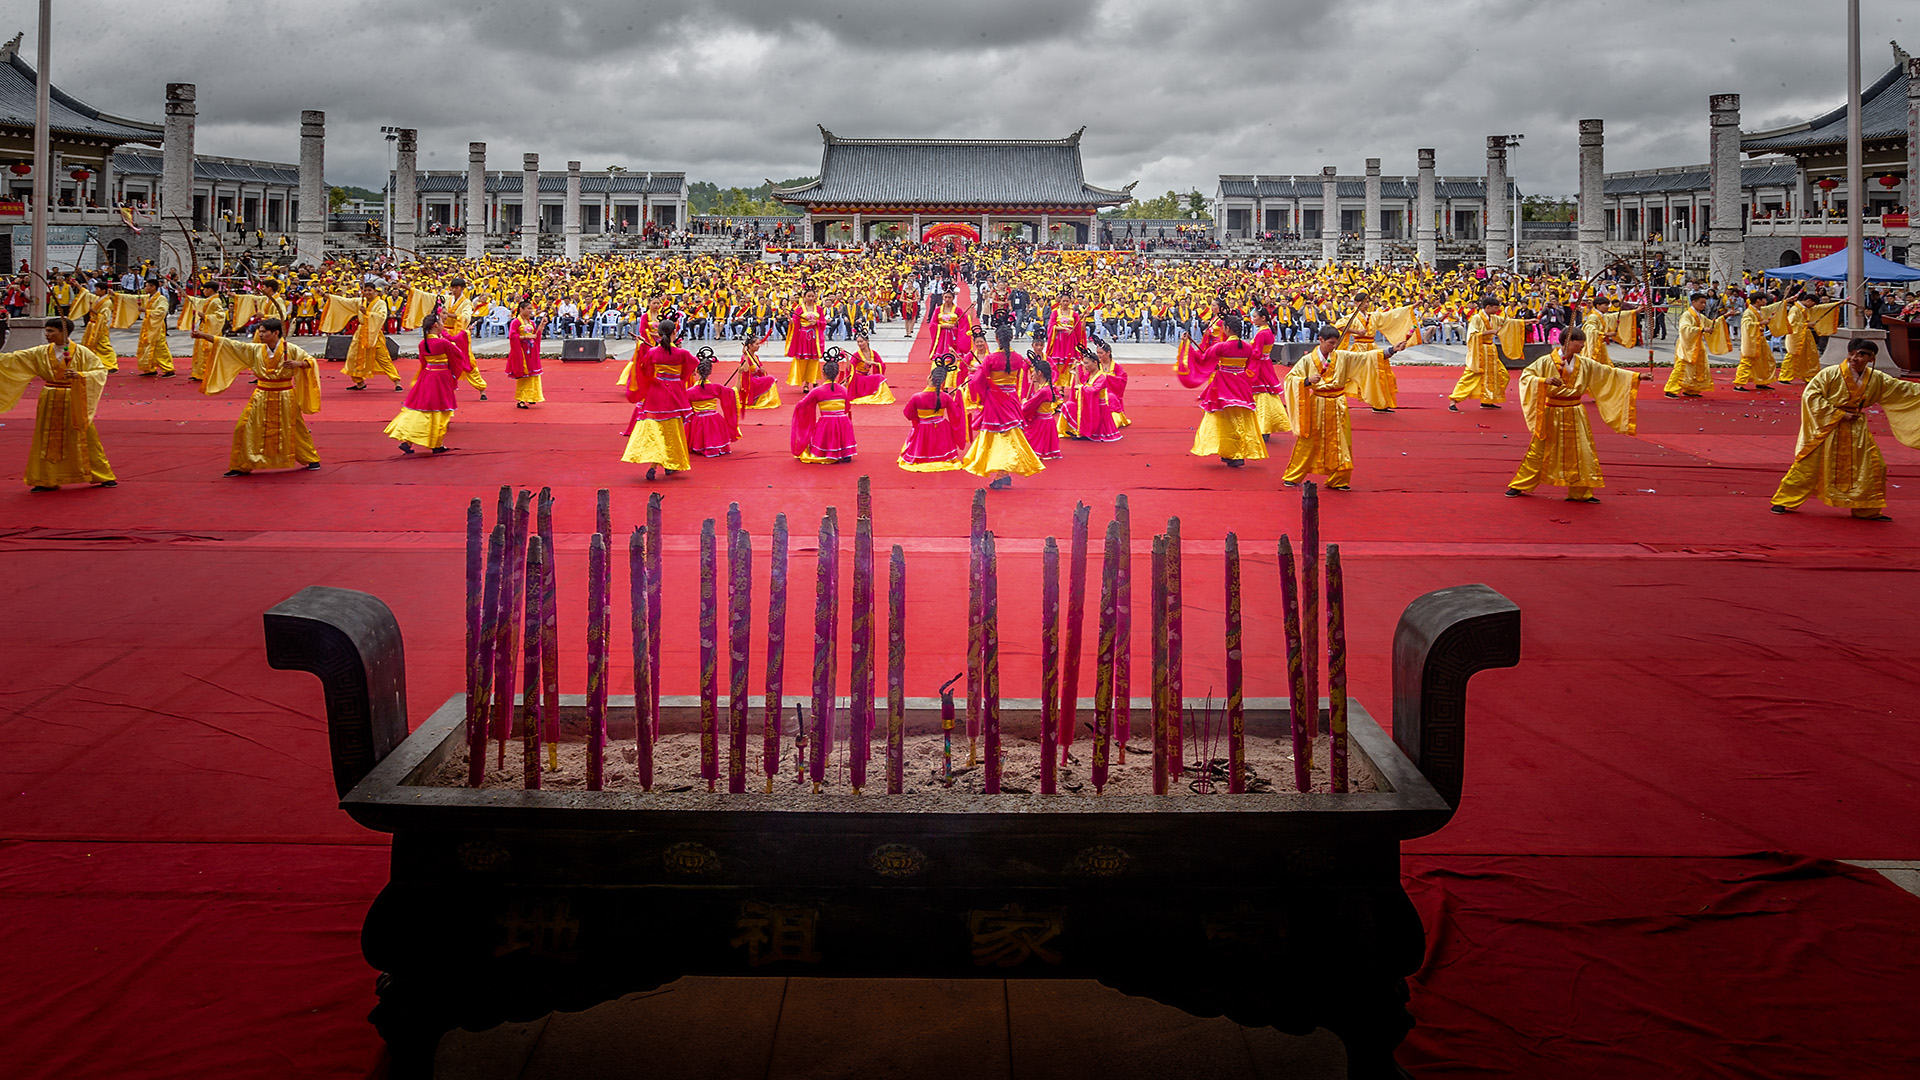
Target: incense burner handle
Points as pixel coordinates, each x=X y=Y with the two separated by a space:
x=351 y=641
x=1445 y=637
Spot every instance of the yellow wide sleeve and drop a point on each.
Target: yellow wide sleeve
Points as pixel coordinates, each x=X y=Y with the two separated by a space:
x=306 y=381
x=88 y=366
x=1901 y=401
x=337 y=313
x=17 y=369
x=190 y=310
x=1533 y=390
x=1512 y=334
x=419 y=305
x=1359 y=372
x=1778 y=323
x=1718 y=339
x=244 y=306
x=229 y=359
x=1824 y=319
x=126 y=310
x=1615 y=391
x=1396 y=324
x=1820 y=409
x=1626 y=328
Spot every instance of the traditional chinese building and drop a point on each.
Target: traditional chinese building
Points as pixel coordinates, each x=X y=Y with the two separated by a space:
x=1029 y=188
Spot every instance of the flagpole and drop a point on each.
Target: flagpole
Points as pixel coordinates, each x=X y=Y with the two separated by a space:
x=42 y=161
x=1856 y=176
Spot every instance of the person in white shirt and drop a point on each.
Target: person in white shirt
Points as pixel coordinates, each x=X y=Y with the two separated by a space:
x=567 y=317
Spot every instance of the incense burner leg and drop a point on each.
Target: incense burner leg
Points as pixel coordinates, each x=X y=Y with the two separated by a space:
x=1371 y=1024
x=411 y=1019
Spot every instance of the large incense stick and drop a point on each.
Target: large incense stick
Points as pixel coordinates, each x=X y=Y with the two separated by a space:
x=740 y=625
x=1076 y=620
x=1123 y=629
x=1050 y=707
x=597 y=567
x=1176 y=654
x=656 y=572
x=476 y=592
x=1297 y=706
x=709 y=659
x=530 y=700
x=1103 y=686
x=638 y=573
x=513 y=586
x=603 y=516
x=976 y=584
x=550 y=632
x=1158 y=621
x=990 y=663
x=823 y=604
x=776 y=651
x=489 y=639
x=833 y=635
x=1336 y=670
x=1310 y=601
x=896 y=670
x=860 y=681
x=1236 y=717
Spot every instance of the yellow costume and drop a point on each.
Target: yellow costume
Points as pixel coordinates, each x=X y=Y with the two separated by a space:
x=208 y=318
x=457 y=318
x=1322 y=430
x=1836 y=457
x=1697 y=337
x=1395 y=325
x=270 y=433
x=66 y=449
x=152 y=352
x=368 y=353
x=1602 y=326
x=1756 y=355
x=98 y=308
x=1561 y=450
x=1485 y=376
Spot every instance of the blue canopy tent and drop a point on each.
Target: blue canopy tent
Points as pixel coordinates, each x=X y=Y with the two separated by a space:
x=1834 y=268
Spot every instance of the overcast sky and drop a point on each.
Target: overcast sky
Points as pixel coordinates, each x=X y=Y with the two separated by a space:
x=1172 y=93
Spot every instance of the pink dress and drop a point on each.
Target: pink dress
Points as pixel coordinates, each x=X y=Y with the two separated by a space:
x=939 y=434
x=1093 y=417
x=822 y=425
x=442 y=362
x=523 y=355
x=1043 y=422
x=715 y=422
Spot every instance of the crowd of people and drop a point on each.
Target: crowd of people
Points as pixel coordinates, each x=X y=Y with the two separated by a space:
x=988 y=408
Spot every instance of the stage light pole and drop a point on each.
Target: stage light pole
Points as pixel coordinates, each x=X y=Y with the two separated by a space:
x=1512 y=144
x=386 y=219
x=1856 y=175
x=42 y=162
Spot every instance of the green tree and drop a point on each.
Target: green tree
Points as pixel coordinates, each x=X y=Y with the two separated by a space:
x=707 y=197
x=1168 y=206
x=1548 y=208
x=337 y=197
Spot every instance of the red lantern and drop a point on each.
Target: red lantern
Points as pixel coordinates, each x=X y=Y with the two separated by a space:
x=1828 y=183
x=1889 y=181
x=20 y=168
x=80 y=175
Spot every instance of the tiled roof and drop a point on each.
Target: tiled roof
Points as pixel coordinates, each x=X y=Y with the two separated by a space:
x=932 y=172
x=66 y=114
x=1770 y=174
x=221 y=170
x=1392 y=188
x=1883 y=115
x=591 y=183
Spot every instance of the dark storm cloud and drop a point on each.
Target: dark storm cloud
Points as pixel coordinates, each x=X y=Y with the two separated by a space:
x=1174 y=92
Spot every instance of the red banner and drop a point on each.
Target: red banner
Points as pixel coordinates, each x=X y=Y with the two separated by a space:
x=1815 y=247
x=1896 y=221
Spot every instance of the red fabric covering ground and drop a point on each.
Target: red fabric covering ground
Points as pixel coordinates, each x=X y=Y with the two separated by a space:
x=1700 y=681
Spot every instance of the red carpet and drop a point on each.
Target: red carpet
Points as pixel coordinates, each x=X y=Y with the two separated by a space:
x=1701 y=683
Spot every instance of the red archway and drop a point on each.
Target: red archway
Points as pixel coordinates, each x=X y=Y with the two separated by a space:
x=952 y=232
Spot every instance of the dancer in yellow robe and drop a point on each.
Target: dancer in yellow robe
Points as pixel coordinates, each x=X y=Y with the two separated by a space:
x=1756 y=370
x=1836 y=458
x=66 y=449
x=1317 y=390
x=1488 y=335
x=368 y=353
x=1698 y=336
x=1603 y=324
x=152 y=352
x=1804 y=321
x=1361 y=327
x=270 y=433
x=1561 y=450
x=456 y=315
x=99 y=307
x=210 y=318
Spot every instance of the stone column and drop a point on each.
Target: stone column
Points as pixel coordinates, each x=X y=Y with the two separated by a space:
x=313 y=188
x=1727 y=253
x=1593 y=198
x=176 y=168
x=1046 y=234
x=859 y=229
x=1426 y=242
x=103 y=184
x=406 y=195
x=1329 y=215
x=916 y=230
x=1373 y=248
x=985 y=236
x=476 y=220
x=571 y=218
x=1497 y=231
x=530 y=206
x=1912 y=201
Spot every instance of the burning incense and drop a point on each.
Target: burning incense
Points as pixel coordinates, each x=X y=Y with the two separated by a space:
x=1336 y=669
x=1123 y=628
x=976 y=585
x=946 y=728
x=638 y=576
x=489 y=612
x=597 y=567
x=1158 y=619
x=1236 y=716
x=1296 y=673
x=1103 y=684
x=897 y=670
x=1076 y=620
x=709 y=659
x=1176 y=654
x=530 y=700
x=860 y=681
x=1050 y=710
x=740 y=623
x=990 y=663
x=771 y=715
x=1310 y=600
